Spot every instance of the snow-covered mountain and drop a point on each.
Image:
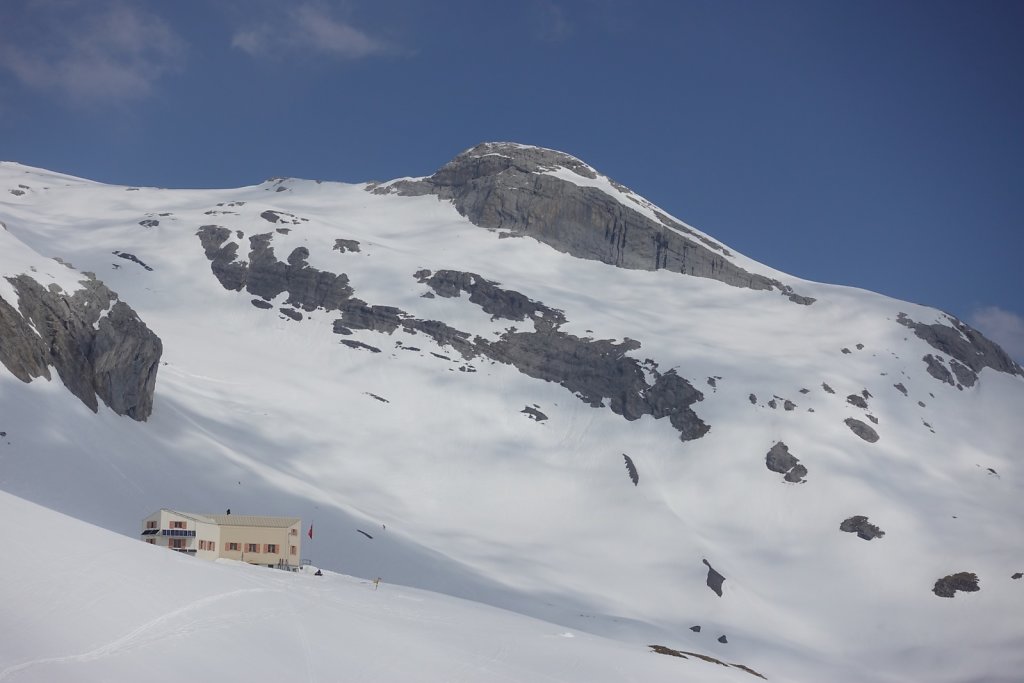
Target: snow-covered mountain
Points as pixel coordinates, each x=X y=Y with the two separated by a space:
x=528 y=387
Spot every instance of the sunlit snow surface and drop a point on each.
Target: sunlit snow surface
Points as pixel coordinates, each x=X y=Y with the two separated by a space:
x=465 y=495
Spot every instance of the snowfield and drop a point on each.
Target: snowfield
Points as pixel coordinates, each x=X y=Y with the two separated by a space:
x=91 y=605
x=497 y=536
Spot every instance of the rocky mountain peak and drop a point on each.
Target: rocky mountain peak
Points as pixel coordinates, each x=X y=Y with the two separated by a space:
x=557 y=199
x=492 y=158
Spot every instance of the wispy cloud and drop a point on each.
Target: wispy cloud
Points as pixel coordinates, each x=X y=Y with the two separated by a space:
x=309 y=28
x=550 y=22
x=1003 y=327
x=90 y=51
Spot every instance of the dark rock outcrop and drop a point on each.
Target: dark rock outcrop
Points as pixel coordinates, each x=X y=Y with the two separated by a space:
x=859 y=524
x=346 y=245
x=714 y=580
x=947 y=586
x=598 y=371
x=595 y=370
x=133 y=258
x=501 y=303
x=631 y=470
x=533 y=413
x=98 y=345
x=854 y=399
x=862 y=429
x=936 y=369
x=966 y=345
x=504 y=186
x=780 y=460
x=265 y=276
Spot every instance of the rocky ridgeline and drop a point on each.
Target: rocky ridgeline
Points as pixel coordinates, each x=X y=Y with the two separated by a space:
x=504 y=186
x=98 y=345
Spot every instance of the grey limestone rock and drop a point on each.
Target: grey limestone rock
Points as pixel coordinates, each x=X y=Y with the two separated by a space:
x=598 y=371
x=714 y=580
x=862 y=429
x=900 y=388
x=859 y=524
x=827 y=388
x=98 y=345
x=966 y=345
x=133 y=258
x=635 y=477
x=533 y=413
x=854 y=399
x=947 y=586
x=779 y=459
x=346 y=245
x=267 y=277
x=504 y=186
x=937 y=370
x=595 y=370
x=352 y=344
x=500 y=303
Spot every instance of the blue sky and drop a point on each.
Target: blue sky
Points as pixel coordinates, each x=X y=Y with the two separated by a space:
x=873 y=144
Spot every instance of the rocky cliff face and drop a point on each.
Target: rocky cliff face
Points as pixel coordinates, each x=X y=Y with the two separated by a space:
x=98 y=345
x=505 y=186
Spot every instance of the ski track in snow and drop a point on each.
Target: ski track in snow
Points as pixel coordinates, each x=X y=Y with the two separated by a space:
x=124 y=642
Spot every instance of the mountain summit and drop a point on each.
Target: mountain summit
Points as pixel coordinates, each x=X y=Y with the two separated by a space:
x=518 y=382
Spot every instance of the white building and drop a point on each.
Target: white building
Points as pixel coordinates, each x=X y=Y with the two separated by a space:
x=273 y=541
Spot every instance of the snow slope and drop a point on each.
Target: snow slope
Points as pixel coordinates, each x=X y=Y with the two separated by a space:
x=465 y=495
x=92 y=605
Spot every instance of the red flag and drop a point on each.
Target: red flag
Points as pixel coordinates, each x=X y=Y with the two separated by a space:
x=310 y=534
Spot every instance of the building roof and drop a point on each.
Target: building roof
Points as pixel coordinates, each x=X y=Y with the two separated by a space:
x=240 y=520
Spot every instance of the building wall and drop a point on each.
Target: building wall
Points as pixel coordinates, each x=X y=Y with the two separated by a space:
x=253 y=544
x=263 y=538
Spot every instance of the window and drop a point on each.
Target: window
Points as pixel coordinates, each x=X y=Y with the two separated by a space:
x=177 y=525
x=293 y=552
x=150 y=540
x=177 y=542
x=151 y=524
x=232 y=546
x=252 y=547
x=270 y=548
x=293 y=532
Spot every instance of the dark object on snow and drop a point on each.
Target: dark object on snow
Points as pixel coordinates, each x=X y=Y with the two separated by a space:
x=365 y=534
x=947 y=586
x=631 y=468
x=318 y=573
x=860 y=525
x=854 y=399
x=723 y=639
x=532 y=413
x=780 y=460
x=862 y=430
x=715 y=579
x=695 y=629
x=133 y=258
x=229 y=511
x=827 y=388
x=1017 y=575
